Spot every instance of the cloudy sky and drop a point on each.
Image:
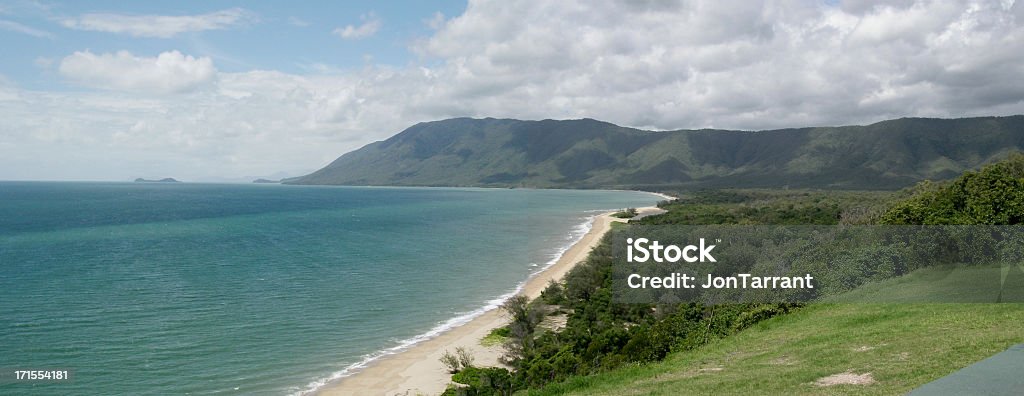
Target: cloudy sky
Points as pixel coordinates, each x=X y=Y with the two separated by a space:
x=220 y=90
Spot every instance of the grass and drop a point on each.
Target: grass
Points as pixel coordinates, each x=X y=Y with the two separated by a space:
x=978 y=284
x=496 y=337
x=616 y=225
x=901 y=345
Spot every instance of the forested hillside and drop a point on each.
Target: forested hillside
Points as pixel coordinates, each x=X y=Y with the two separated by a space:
x=593 y=154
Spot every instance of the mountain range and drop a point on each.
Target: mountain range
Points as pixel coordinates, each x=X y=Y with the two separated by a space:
x=588 y=153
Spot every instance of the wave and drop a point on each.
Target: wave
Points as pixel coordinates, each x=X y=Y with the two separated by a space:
x=574 y=236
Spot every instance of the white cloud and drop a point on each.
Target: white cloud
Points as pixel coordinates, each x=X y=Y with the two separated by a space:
x=371 y=24
x=739 y=64
x=163 y=26
x=169 y=72
x=20 y=28
x=252 y=123
x=691 y=64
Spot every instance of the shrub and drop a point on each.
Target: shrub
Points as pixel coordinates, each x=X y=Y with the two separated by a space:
x=627 y=213
x=465 y=358
x=482 y=381
x=552 y=294
x=451 y=362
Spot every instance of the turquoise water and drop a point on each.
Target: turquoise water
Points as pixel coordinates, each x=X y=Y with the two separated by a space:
x=256 y=289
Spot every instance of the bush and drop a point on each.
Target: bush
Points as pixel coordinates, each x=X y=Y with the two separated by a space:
x=465 y=358
x=483 y=381
x=627 y=213
x=552 y=294
x=451 y=362
x=992 y=195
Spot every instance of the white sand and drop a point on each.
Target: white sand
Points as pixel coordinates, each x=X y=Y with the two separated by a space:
x=418 y=370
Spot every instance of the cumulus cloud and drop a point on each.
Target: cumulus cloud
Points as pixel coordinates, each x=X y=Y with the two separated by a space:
x=253 y=123
x=162 y=26
x=23 y=29
x=169 y=72
x=665 y=65
x=738 y=64
x=371 y=24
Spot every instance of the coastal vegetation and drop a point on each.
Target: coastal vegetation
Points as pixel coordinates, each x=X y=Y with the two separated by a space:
x=898 y=347
x=992 y=195
x=608 y=347
x=457 y=362
x=627 y=213
x=601 y=335
x=496 y=337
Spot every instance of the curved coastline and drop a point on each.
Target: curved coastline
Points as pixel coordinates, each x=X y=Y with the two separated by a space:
x=335 y=380
x=414 y=366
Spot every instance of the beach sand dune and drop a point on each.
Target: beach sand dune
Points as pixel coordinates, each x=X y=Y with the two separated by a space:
x=418 y=370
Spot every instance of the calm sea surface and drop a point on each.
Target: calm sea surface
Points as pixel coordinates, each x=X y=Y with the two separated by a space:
x=256 y=289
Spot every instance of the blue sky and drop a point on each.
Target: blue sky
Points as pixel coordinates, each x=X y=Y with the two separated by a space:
x=292 y=37
x=231 y=90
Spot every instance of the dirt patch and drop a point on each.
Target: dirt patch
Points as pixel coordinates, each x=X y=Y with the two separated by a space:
x=865 y=348
x=847 y=378
x=554 y=322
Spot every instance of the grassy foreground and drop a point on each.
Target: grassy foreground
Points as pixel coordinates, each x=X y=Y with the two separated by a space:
x=974 y=283
x=902 y=346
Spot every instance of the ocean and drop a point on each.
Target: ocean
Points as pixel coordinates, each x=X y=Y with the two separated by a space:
x=203 y=289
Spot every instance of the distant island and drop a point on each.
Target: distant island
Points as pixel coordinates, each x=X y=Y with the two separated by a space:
x=164 y=180
x=266 y=181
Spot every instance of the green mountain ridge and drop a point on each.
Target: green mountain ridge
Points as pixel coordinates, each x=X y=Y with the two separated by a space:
x=588 y=153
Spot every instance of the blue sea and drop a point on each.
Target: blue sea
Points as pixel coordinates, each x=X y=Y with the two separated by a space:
x=206 y=289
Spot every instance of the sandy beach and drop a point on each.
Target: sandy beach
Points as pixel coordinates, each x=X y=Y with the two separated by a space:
x=663 y=195
x=418 y=370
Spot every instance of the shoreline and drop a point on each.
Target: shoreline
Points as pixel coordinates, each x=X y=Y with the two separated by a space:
x=663 y=195
x=418 y=370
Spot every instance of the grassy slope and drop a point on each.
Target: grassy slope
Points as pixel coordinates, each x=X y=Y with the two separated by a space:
x=907 y=345
x=901 y=345
x=976 y=284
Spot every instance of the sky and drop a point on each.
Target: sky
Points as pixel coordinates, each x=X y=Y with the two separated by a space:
x=232 y=90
